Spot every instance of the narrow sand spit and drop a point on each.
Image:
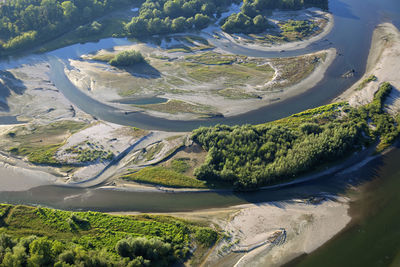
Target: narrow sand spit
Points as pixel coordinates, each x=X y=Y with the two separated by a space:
x=279 y=231
x=304 y=227
x=384 y=63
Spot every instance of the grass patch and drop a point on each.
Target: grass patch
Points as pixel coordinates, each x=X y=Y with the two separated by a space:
x=371 y=78
x=180 y=165
x=89 y=153
x=235 y=94
x=211 y=58
x=41 y=142
x=293 y=70
x=103 y=57
x=165 y=177
x=297 y=29
x=153 y=151
x=233 y=74
x=176 y=106
x=41 y=155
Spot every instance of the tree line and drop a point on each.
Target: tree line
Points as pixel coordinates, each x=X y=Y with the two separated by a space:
x=172 y=16
x=251 y=18
x=27 y=22
x=252 y=156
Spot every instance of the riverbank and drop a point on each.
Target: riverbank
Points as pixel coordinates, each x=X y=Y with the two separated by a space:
x=384 y=63
x=271 y=233
x=217 y=36
x=239 y=84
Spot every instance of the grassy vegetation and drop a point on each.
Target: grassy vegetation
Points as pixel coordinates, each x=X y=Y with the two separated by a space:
x=371 y=78
x=190 y=44
x=229 y=76
x=89 y=153
x=153 y=151
x=177 y=106
x=165 y=177
x=251 y=156
x=180 y=165
x=39 y=143
x=106 y=57
x=297 y=29
x=235 y=94
x=293 y=70
x=211 y=58
x=95 y=239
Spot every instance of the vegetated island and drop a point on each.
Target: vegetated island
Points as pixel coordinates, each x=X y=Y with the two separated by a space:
x=249 y=157
x=187 y=80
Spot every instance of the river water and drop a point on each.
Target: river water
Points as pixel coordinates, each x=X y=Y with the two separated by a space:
x=351 y=36
x=374 y=237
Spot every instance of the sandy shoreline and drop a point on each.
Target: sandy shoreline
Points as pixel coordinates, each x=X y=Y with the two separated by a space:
x=82 y=79
x=384 y=63
x=290 y=46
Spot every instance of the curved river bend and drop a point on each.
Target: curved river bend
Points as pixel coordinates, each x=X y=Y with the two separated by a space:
x=351 y=35
x=376 y=231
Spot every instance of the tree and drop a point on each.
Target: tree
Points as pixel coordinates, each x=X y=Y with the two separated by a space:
x=172 y=8
x=178 y=24
x=69 y=10
x=201 y=21
x=40 y=252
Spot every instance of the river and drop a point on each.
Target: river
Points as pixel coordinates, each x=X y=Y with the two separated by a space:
x=373 y=239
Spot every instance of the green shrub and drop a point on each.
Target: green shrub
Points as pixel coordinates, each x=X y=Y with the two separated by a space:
x=127 y=58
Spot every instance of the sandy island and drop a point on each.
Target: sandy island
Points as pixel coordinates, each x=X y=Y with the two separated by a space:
x=238 y=40
x=105 y=85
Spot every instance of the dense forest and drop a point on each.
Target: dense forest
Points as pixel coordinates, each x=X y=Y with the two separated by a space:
x=252 y=156
x=171 y=16
x=24 y=23
x=251 y=18
x=46 y=237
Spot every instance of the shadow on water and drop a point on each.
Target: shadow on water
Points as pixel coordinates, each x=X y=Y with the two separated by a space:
x=102 y=199
x=373 y=236
x=342 y=9
x=9 y=84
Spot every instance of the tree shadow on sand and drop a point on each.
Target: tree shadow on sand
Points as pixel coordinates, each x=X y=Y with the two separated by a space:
x=142 y=70
x=8 y=84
